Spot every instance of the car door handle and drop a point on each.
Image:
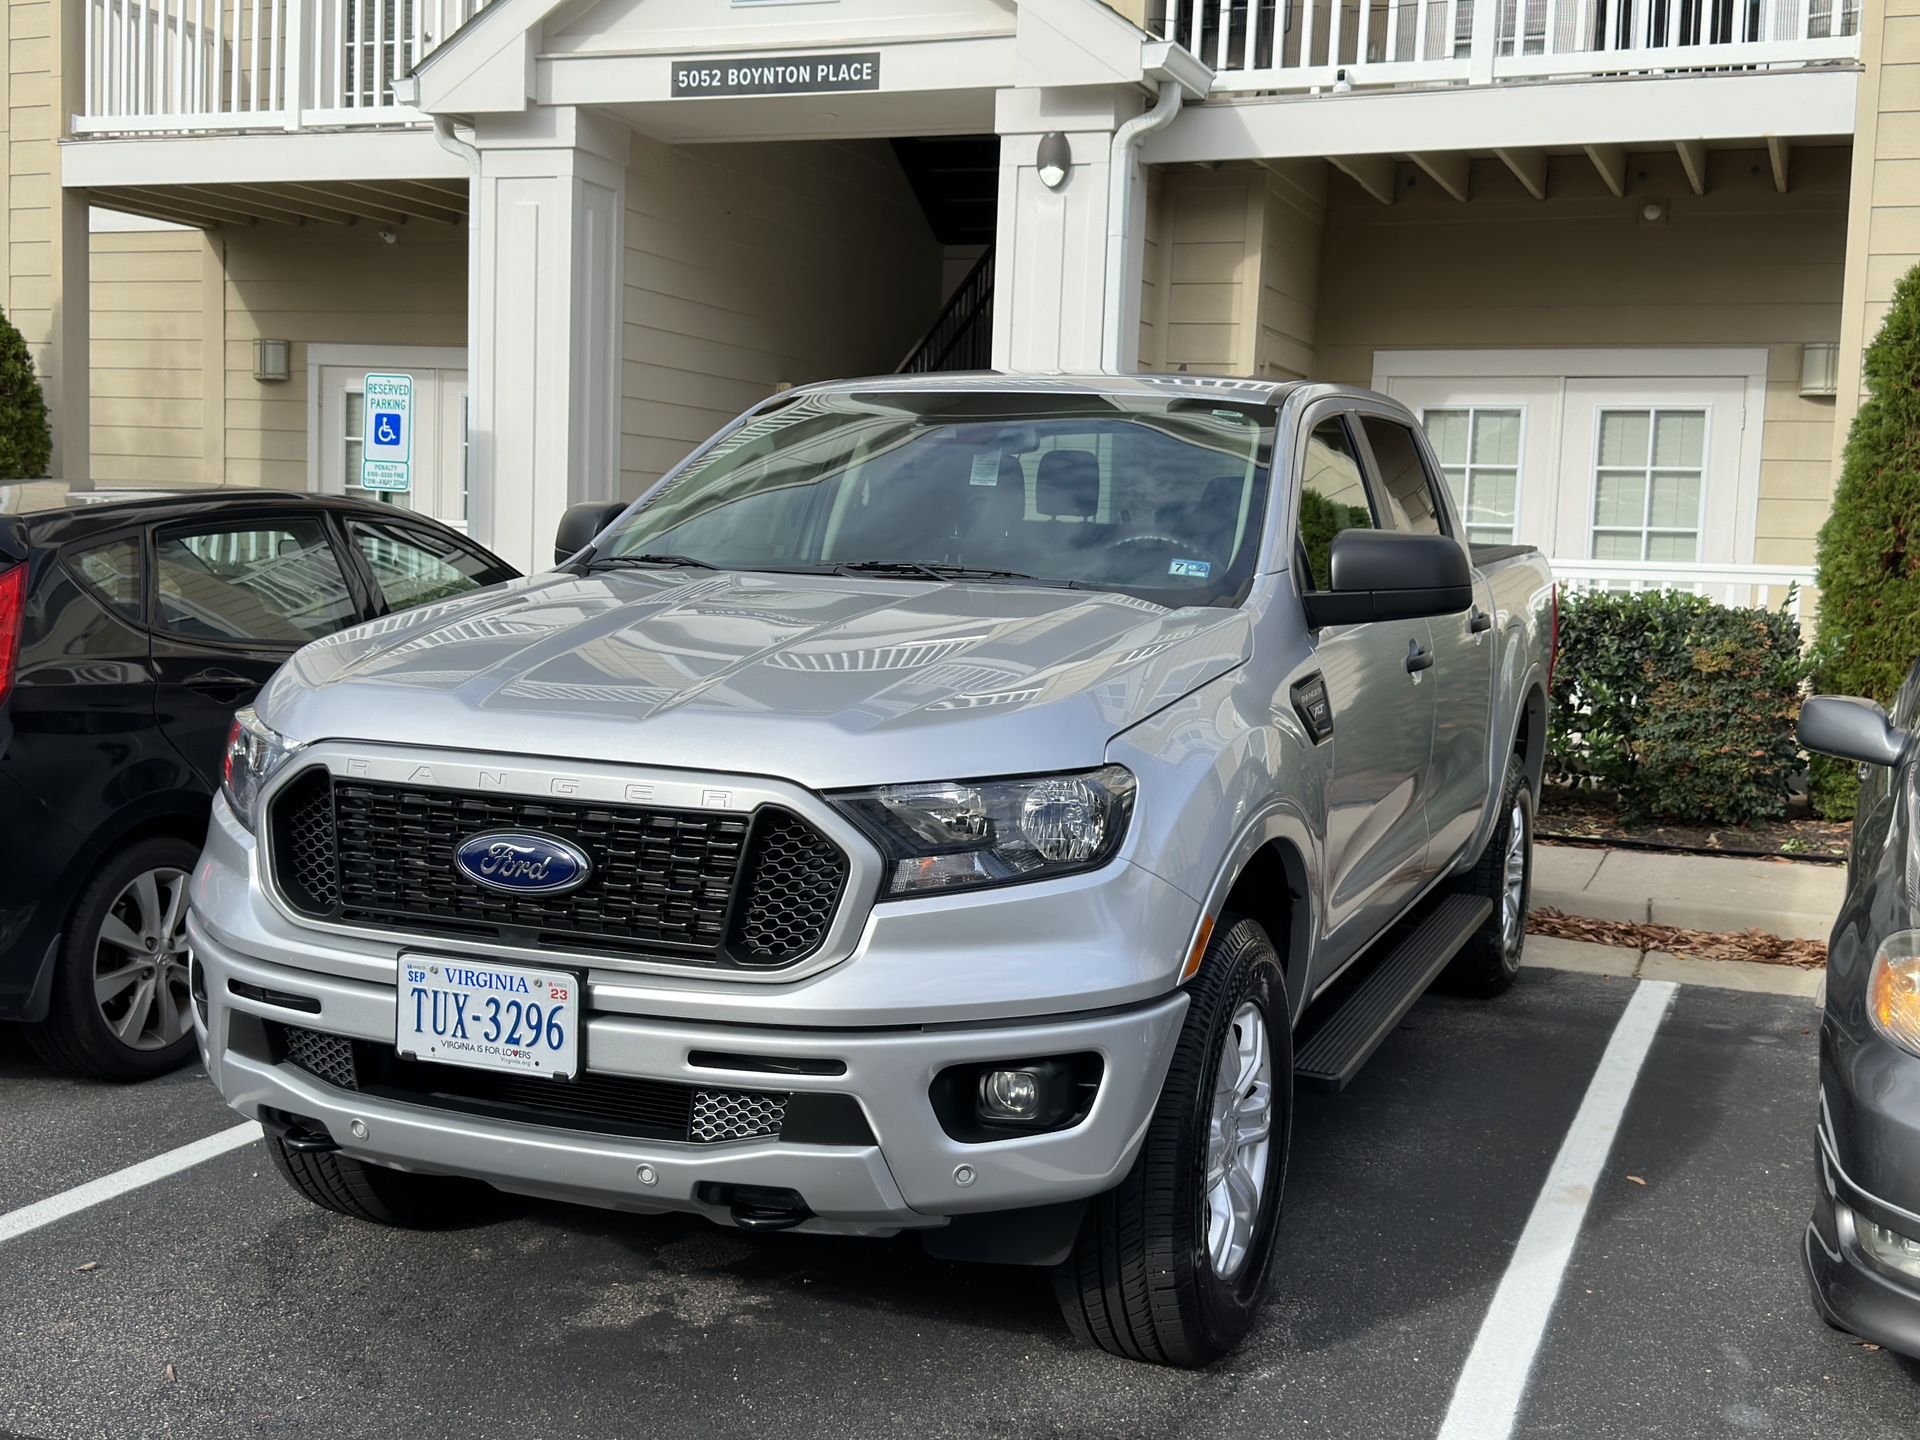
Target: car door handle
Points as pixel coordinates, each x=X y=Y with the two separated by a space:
x=1479 y=622
x=216 y=681
x=1418 y=658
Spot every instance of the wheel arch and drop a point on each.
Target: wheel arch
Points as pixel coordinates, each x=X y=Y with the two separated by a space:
x=1269 y=878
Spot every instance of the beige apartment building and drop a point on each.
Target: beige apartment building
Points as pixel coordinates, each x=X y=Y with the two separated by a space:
x=1621 y=255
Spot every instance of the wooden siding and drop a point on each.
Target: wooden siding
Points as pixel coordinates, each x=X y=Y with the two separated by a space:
x=752 y=265
x=147 y=351
x=1742 y=265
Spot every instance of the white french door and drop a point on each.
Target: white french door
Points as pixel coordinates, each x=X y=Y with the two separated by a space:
x=440 y=420
x=1648 y=457
x=1650 y=470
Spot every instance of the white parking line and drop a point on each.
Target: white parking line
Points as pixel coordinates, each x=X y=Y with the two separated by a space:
x=16 y=1223
x=1486 y=1399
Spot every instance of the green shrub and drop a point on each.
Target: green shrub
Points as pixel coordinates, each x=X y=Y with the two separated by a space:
x=1869 y=555
x=25 y=443
x=1320 y=520
x=1682 y=708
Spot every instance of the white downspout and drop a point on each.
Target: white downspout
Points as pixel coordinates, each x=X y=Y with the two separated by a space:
x=1119 y=202
x=454 y=145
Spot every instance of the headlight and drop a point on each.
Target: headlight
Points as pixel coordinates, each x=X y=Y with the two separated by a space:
x=963 y=834
x=1893 y=989
x=253 y=754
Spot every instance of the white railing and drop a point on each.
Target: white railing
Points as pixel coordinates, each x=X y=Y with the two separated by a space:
x=1766 y=586
x=193 y=65
x=1281 y=45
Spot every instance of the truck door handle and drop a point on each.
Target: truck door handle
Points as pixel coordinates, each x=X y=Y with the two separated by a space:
x=1479 y=622
x=1418 y=658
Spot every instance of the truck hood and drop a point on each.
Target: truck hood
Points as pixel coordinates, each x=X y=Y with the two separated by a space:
x=824 y=681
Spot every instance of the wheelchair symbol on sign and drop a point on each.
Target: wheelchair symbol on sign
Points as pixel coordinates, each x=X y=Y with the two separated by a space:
x=386 y=428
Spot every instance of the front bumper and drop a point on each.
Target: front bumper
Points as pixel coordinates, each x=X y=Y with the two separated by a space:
x=907 y=1179
x=1868 y=1159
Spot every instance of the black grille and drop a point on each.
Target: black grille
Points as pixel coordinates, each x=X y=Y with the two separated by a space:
x=706 y=887
x=598 y=1104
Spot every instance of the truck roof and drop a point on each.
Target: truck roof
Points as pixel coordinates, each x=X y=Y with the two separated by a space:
x=1225 y=387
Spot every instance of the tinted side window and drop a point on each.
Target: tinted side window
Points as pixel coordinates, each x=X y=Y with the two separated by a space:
x=277 y=582
x=414 y=566
x=1403 y=477
x=1333 y=497
x=113 y=569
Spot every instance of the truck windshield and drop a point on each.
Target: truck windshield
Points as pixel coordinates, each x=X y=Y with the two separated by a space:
x=1157 y=497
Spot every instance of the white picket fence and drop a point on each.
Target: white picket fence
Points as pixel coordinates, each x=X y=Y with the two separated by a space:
x=1766 y=586
x=1283 y=45
x=197 y=65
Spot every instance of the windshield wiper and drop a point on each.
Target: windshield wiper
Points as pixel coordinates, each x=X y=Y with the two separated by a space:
x=599 y=561
x=935 y=572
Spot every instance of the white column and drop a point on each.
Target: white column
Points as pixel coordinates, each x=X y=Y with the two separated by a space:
x=1051 y=252
x=545 y=332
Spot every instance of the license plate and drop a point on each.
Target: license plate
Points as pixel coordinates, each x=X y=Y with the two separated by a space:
x=488 y=1016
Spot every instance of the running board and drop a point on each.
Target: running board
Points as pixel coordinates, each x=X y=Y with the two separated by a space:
x=1342 y=1044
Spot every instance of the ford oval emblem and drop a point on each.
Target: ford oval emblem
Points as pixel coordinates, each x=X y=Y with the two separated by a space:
x=522 y=862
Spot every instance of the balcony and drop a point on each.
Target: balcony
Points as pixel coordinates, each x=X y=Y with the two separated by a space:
x=1285 y=46
x=229 y=66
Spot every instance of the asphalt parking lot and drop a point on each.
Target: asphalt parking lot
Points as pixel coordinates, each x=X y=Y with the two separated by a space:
x=215 y=1303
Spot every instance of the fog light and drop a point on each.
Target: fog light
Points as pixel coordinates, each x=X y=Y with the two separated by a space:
x=1899 y=1253
x=1009 y=1095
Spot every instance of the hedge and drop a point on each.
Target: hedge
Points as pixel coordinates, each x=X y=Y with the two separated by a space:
x=25 y=442
x=1682 y=709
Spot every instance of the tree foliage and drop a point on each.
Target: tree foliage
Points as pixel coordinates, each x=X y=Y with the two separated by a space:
x=26 y=445
x=1869 y=556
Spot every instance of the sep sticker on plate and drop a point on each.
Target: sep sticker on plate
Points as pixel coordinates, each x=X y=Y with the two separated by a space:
x=1190 y=569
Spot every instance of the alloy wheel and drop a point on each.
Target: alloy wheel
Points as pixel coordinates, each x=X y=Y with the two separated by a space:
x=1513 y=893
x=1240 y=1135
x=140 y=962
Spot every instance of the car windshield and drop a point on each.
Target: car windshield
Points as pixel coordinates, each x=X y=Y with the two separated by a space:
x=1157 y=497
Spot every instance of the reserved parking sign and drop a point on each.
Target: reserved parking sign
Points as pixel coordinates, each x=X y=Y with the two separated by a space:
x=386 y=456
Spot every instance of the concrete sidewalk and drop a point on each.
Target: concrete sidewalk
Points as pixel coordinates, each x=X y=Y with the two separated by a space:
x=1694 y=892
x=1547 y=952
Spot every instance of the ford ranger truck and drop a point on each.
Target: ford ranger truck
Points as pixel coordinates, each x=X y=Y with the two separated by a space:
x=959 y=805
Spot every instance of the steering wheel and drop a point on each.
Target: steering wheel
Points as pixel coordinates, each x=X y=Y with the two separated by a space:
x=1151 y=537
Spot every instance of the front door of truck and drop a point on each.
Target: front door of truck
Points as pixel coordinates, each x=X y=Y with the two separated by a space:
x=1382 y=715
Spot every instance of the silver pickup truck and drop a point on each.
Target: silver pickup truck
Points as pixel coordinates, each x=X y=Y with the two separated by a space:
x=959 y=805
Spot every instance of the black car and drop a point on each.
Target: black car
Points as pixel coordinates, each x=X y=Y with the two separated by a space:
x=1863 y=1244
x=131 y=627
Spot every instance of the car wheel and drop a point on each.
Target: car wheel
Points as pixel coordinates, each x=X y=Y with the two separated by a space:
x=119 y=1009
x=1490 y=959
x=379 y=1195
x=1171 y=1265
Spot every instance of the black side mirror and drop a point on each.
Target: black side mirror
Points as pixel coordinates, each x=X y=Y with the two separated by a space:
x=580 y=523
x=1850 y=728
x=1391 y=575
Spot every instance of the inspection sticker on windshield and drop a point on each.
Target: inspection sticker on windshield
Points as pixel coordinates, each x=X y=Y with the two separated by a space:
x=490 y=1017
x=1190 y=569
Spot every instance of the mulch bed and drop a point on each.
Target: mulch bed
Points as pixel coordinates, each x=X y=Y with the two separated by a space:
x=1751 y=945
x=1585 y=817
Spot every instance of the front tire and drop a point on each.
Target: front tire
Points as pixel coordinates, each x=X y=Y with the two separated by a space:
x=119 y=1008
x=378 y=1195
x=1171 y=1265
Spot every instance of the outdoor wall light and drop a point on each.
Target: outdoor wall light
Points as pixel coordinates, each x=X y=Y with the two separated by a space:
x=1820 y=369
x=1654 y=212
x=1055 y=159
x=272 y=360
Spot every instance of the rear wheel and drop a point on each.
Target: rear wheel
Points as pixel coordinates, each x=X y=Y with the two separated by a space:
x=119 y=1008
x=379 y=1195
x=1490 y=959
x=1171 y=1265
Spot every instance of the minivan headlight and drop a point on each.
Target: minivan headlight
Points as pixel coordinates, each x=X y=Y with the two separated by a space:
x=1893 y=989
x=964 y=834
x=254 y=753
